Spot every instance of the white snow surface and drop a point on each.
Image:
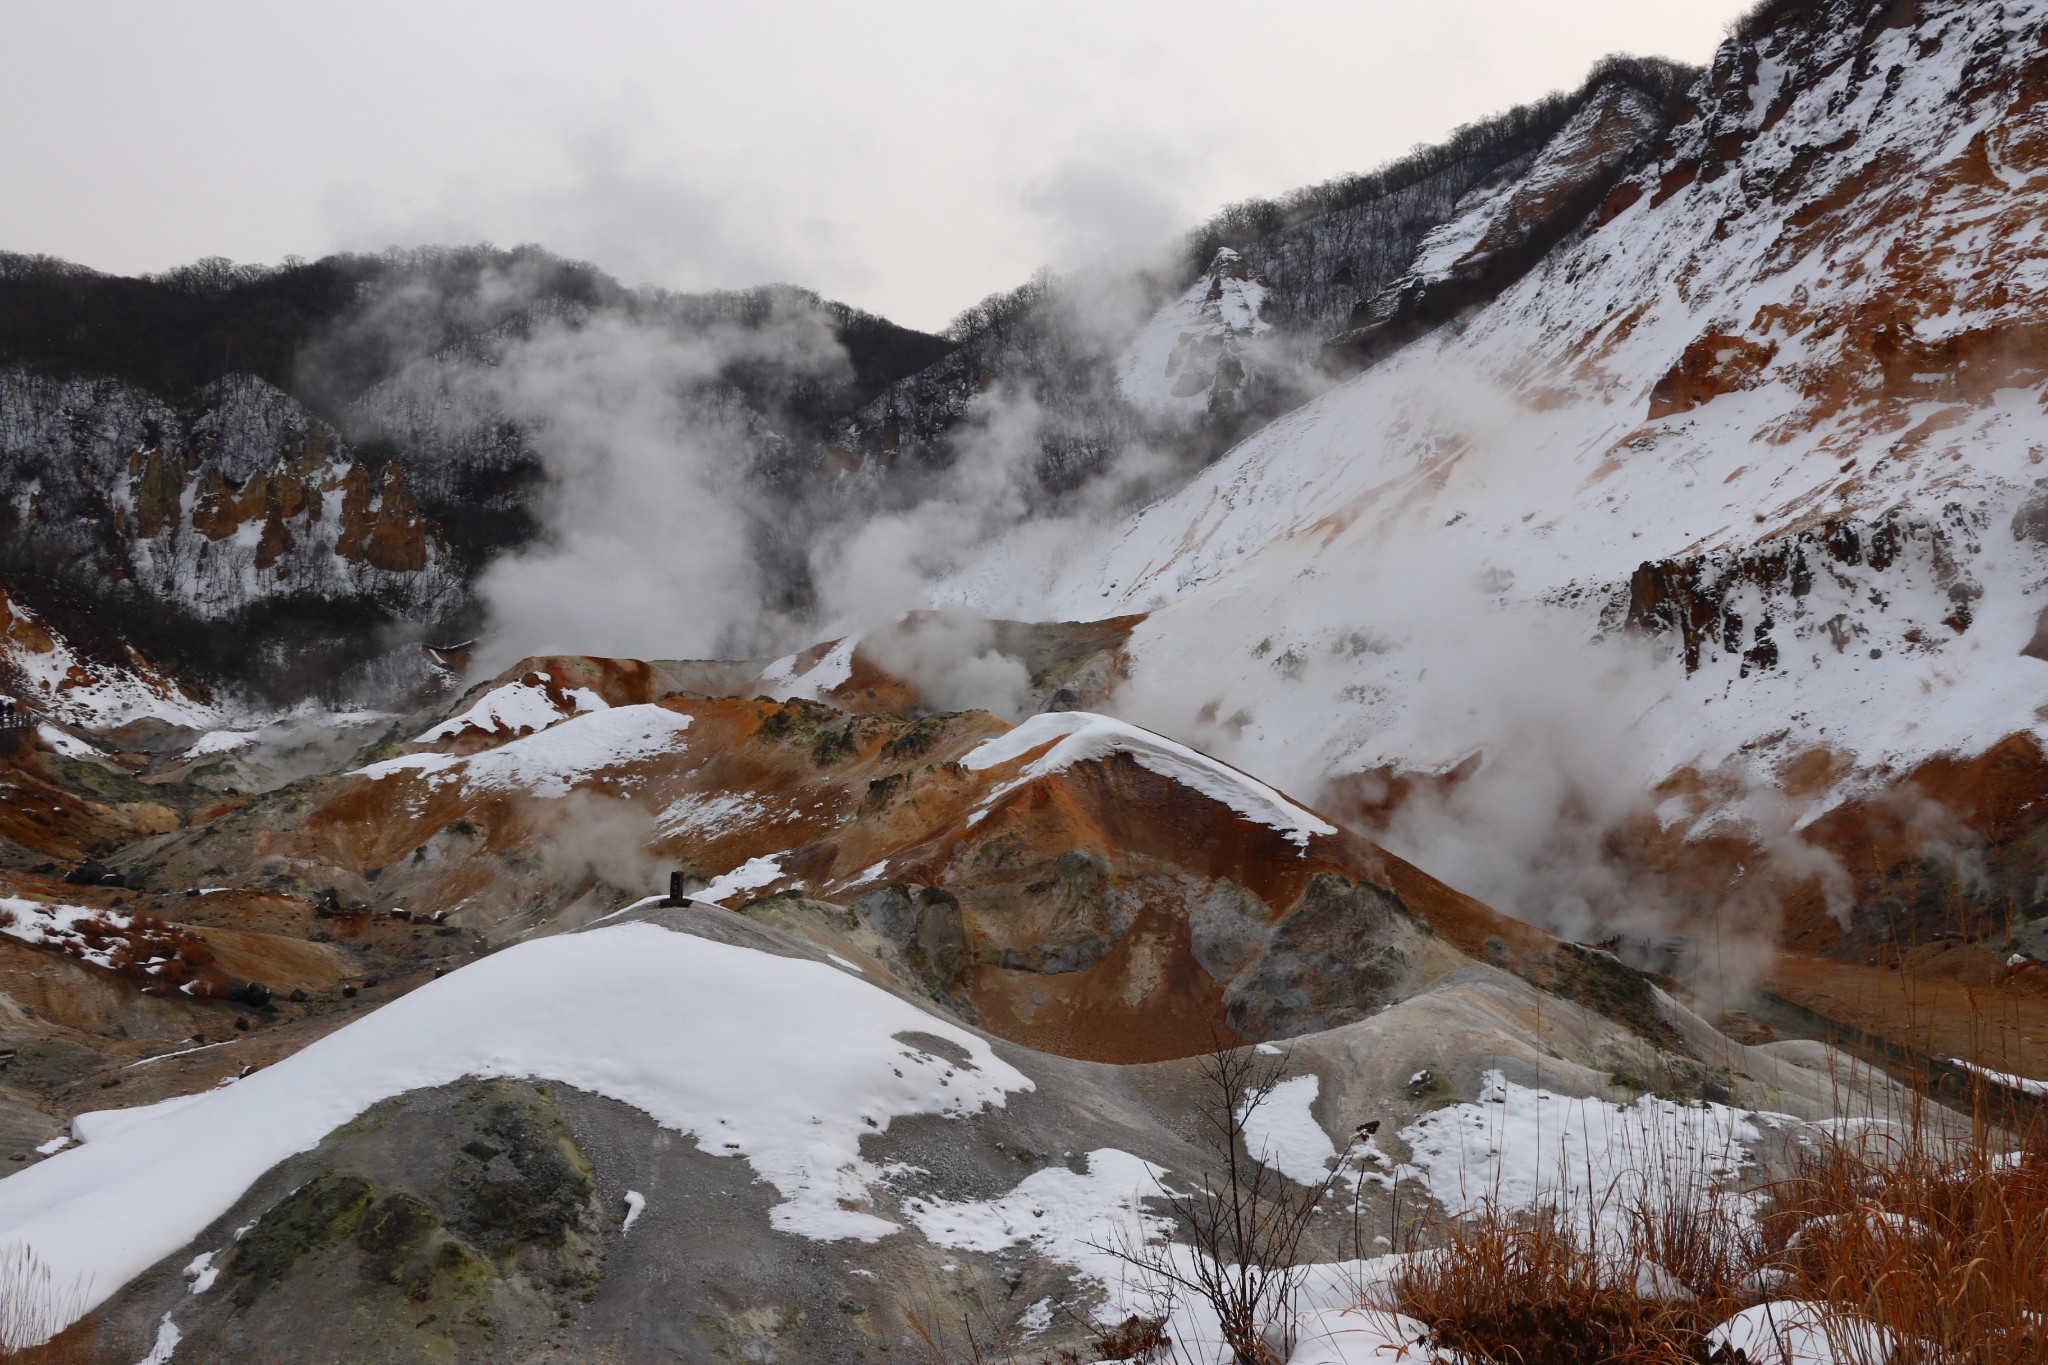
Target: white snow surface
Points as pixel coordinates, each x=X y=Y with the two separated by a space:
x=97 y=1125
x=711 y=814
x=1363 y=1336
x=1797 y=1332
x=553 y=761
x=751 y=875
x=219 y=742
x=202 y=1272
x=1083 y=736
x=59 y=682
x=1522 y=1148
x=58 y=926
x=1080 y=1218
x=835 y=666
x=786 y=1062
x=2026 y=1085
x=69 y=745
x=166 y=1343
x=636 y=1204
x=1281 y=1132
x=511 y=709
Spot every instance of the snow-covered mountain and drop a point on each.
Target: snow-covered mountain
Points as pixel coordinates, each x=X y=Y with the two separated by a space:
x=1738 y=481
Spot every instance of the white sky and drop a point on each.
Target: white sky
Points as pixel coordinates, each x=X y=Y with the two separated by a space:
x=905 y=156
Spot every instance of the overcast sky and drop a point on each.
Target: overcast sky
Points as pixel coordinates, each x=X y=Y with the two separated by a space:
x=906 y=157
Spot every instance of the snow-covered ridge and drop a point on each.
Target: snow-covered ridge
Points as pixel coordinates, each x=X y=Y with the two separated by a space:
x=64 y=927
x=54 y=678
x=786 y=1062
x=1070 y=737
x=1581 y=153
x=782 y=682
x=515 y=708
x=551 y=762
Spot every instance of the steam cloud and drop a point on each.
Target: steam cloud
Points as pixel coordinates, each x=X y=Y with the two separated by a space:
x=661 y=539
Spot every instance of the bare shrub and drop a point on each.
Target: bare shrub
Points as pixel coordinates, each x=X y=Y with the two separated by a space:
x=1942 y=1244
x=1244 y=1222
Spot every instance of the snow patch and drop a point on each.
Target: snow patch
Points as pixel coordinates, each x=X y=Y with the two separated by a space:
x=1798 y=1332
x=167 y=1337
x=784 y=683
x=513 y=709
x=751 y=875
x=1083 y=736
x=202 y=1272
x=552 y=762
x=1520 y=1148
x=1282 y=1133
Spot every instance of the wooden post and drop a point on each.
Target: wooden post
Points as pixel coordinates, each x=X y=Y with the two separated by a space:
x=675 y=889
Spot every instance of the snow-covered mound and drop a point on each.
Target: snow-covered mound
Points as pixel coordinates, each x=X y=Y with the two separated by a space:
x=808 y=1060
x=42 y=669
x=513 y=709
x=1071 y=737
x=552 y=761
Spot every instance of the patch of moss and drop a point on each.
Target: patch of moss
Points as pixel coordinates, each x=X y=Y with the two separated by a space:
x=915 y=742
x=403 y=1245
x=882 y=791
x=835 y=745
x=374 y=1119
x=534 y=1189
x=398 y=1225
x=1431 y=1089
x=317 y=1215
x=457 y=1272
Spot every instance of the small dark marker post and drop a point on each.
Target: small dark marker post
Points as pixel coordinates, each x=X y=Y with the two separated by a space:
x=675 y=889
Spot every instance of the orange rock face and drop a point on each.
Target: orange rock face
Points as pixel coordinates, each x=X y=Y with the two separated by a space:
x=1712 y=365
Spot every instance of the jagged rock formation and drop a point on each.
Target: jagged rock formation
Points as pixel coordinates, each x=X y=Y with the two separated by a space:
x=244 y=499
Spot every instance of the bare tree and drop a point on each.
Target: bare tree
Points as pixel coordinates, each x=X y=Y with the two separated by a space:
x=1243 y=1221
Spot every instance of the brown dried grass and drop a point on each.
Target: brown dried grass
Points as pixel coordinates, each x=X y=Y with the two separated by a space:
x=1940 y=1240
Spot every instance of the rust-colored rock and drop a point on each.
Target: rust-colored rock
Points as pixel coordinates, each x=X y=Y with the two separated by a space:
x=1713 y=364
x=157 y=486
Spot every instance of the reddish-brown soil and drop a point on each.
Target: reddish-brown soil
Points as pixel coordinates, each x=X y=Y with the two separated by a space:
x=1944 y=1001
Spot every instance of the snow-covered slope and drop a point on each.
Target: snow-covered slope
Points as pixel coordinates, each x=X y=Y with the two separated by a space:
x=1776 y=408
x=794 y=1092
x=52 y=676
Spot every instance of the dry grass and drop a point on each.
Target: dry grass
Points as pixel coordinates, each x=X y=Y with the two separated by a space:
x=1507 y=1288
x=33 y=1307
x=1945 y=1246
x=1942 y=1242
